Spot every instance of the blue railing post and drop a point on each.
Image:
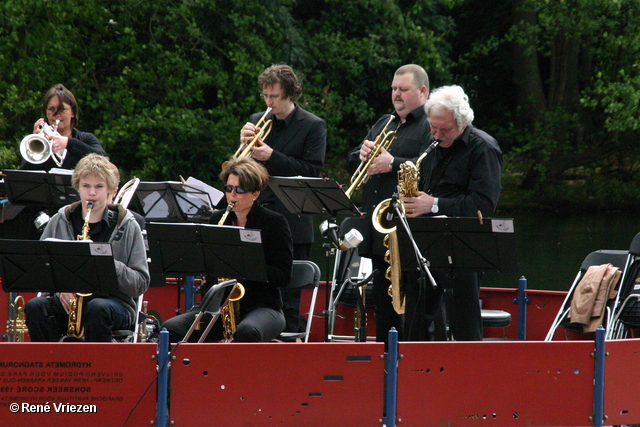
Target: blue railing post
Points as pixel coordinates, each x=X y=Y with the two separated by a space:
x=163 y=380
x=391 y=388
x=522 y=301
x=189 y=293
x=598 y=383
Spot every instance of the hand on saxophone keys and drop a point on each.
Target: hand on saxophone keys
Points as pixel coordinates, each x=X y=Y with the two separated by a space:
x=422 y=203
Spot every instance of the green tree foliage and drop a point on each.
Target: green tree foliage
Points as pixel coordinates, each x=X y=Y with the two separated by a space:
x=573 y=69
x=166 y=85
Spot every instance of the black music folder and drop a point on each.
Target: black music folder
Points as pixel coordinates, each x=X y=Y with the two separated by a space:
x=313 y=196
x=57 y=266
x=460 y=244
x=27 y=187
x=216 y=250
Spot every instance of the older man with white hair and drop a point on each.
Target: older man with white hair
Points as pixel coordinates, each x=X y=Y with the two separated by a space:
x=460 y=178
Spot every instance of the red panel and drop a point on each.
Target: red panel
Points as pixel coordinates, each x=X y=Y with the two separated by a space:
x=496 y=383
x=622 y=382
x=268 y=384
x=109 y=379
x=163 y=300
x=541 y=311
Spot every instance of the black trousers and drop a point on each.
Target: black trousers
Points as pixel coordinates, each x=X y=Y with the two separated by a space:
x=424 y=304
x=386 y=316
x=462 y=304
x=259 y=325
x=47 y=320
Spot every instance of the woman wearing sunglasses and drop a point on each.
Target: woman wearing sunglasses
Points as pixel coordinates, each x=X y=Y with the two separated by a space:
x=261 y=317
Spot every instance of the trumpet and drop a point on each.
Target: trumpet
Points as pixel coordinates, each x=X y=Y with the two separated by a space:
x=383 y=140
x=264 y=127
x=37 y=148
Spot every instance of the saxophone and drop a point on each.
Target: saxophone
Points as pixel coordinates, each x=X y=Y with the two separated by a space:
x=17 y=326
x=408 y=179
x=75 y=328
x=231 y=311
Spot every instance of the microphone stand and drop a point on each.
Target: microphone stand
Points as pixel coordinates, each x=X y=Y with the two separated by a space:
x=419 y=311
x=422 y=261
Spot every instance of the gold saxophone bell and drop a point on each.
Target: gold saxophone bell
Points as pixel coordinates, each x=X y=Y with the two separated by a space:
x=245 y=150
x=379 y=218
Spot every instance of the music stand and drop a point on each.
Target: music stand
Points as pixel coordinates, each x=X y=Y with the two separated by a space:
x=460 y=244
x=8 y=210
x=216 y=250
x=313 y=196
x=171 y=201
x=57 y=266
x=27 y=187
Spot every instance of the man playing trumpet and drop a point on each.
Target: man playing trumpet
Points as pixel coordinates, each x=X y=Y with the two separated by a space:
x=295 y=146
x=409 y=92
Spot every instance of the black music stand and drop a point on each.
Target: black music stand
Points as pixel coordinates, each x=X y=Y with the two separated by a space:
x=454 y=245
x=313 y=196
x=8 y=210
x=57 y=266
x=26 y=187
x=171 y=201
x=461 y=244
x=216 y=250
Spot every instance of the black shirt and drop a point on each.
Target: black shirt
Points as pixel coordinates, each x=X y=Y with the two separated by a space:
x=412 y=138
x=465 y=177
x=99 y=231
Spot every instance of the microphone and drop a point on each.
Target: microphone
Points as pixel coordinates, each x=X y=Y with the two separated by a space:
x=352 y=239
x=392 y=207
x=329 y=230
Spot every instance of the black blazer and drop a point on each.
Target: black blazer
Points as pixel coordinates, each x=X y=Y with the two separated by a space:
x=278 y=257
x=299 y=149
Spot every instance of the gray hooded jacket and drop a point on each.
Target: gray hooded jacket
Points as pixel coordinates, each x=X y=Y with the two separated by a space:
x=128 y=248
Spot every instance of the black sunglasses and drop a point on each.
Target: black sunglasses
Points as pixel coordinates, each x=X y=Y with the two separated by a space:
x=230 y=188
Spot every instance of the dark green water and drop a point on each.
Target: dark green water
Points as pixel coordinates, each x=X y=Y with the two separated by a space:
x=550 y=246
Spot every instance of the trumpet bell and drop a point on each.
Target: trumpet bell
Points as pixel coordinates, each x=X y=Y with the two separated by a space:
x=35 y=148
x=379 y=218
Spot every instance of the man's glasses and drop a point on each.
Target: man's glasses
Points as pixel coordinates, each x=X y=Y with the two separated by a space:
x=271 y=97
x=230 y=188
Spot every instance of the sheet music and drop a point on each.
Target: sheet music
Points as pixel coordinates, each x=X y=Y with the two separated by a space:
x=214 y=194
x=61 y=171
